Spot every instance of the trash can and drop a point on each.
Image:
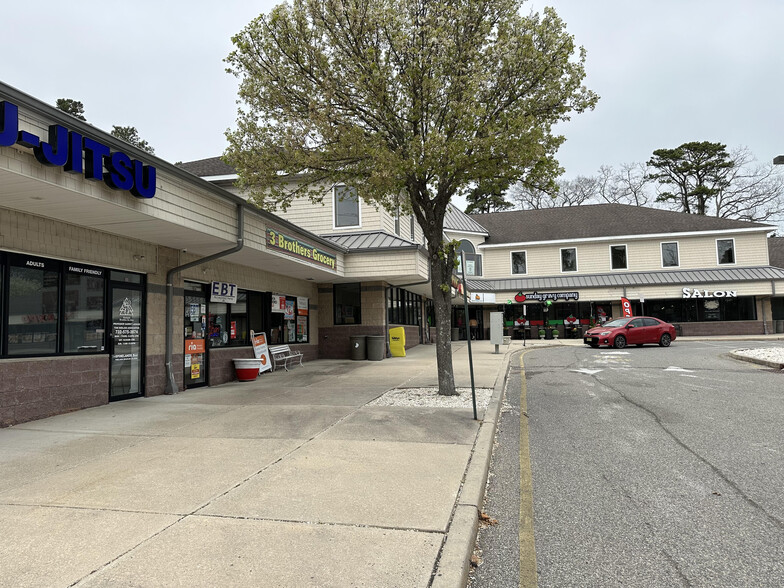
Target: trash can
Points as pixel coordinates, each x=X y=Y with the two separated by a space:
x=358 y=347
x=455 y=333
x=779 y=326
x=376 y=347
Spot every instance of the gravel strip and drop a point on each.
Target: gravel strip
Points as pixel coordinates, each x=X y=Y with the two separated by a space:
x=774 y=354
x=430 y=397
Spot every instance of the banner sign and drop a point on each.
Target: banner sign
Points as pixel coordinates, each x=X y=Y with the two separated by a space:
x=223 y=292
x=77 y=154
x=542 y=296
x=261 y=351
x=301 y=249
x=626 y=306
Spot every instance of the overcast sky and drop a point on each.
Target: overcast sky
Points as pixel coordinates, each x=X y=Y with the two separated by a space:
x=667 y=72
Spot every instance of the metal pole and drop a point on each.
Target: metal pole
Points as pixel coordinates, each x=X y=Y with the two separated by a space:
x=470 y=356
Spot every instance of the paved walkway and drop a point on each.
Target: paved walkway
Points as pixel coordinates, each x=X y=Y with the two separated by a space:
x=291 y=480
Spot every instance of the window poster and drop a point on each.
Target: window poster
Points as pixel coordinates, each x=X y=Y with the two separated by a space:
x=302 y=329
x=278 y=303
x=292 y=330
x=302 y=306
x=289 y=310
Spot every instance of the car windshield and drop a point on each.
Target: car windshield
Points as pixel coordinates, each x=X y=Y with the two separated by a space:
x=616 y=323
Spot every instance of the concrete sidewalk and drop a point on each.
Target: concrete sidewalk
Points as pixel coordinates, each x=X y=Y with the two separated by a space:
x=291 y=480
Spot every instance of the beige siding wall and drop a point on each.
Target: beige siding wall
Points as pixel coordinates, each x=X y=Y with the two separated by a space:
x=175 y=201
x=382 y=265
x=36 y=235
x=642 y=255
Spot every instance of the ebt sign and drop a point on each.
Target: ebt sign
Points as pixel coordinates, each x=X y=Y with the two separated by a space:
x=695 y=293
x=79 y=155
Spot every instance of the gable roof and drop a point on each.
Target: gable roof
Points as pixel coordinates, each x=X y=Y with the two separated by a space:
x=776 y=251
x=212 y=166
x=457 y=220
x=597 y=220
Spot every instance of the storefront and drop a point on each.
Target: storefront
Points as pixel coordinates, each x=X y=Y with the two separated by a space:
x=745 y=306
x=122 y=275
x=215 y=320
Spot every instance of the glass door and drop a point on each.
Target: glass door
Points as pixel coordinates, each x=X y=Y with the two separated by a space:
x=195 y=352
x=126 y=336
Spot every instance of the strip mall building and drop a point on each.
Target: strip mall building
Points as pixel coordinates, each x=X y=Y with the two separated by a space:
x=122 y=275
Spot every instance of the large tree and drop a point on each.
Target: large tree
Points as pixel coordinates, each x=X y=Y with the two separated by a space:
x=127 y=134
x=691 y=175
x=418 y=99
x=131 y=135
x=72 y=107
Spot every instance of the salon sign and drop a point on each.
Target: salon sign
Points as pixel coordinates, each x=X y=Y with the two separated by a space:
x=696 y=293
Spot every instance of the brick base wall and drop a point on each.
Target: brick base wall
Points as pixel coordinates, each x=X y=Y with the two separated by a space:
x=155 y=374
x=335 y=342
x=222 y=365
x=724 y=328
x=37 y=388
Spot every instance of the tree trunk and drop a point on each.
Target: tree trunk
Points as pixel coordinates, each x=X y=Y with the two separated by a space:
x=440 y=272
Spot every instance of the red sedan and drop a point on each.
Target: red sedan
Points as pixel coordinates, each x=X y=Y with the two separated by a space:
x=636 y=330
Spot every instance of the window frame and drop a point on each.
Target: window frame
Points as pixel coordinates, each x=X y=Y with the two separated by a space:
x=576 y=263
x=358 y=319
x=678 y=253
x=512 y=265
x=734 y=252
x=335 y=224
x=625 y=257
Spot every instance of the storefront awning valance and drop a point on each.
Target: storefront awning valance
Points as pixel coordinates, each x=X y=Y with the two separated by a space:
x=700 y=276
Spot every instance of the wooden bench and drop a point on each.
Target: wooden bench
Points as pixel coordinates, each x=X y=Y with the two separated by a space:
x=281 y=354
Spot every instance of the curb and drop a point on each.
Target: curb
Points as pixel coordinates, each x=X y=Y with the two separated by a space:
x=774 y=364
x=455 y=561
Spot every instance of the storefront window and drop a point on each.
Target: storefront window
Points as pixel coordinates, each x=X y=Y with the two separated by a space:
x=347 y=300
x=32 y=307
x=403 y=307
x=217 y=328
x=289 y=319
x=84 y=311
x=228 y=324
x=677 y=310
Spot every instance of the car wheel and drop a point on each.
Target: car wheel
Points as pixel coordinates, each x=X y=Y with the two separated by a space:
x=665 y=340
x=620 y=342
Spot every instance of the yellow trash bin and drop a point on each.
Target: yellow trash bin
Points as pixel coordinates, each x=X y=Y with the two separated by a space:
x=397 y=342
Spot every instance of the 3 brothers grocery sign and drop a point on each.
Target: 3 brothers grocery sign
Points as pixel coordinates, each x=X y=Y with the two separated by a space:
x=276 y=240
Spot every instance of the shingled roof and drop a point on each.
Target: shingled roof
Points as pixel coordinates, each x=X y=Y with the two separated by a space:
x=596 y=220
x=212 y=166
